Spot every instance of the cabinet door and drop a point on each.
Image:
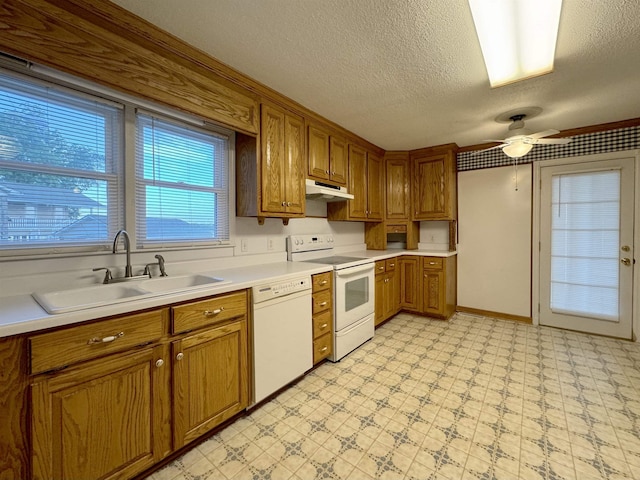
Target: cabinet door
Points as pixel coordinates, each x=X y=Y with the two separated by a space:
x=318 y=144
x=435 y=187
x=410 y=284
x=375 y=187
x=398 y=199
x=380 y=294
x=273 y=160
x=357 y=183
x=394 y=293
x=210 y=379
x=338 y=163
x=433 y=292
x=108 y=418
x=294 y=171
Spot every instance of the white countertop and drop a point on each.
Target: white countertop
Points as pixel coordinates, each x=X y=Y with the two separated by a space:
x=22 y=314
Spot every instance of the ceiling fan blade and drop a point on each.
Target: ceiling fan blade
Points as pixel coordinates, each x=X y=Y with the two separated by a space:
x=476 y=152
x=553 y=141
x=544 y=133
x=494 y=140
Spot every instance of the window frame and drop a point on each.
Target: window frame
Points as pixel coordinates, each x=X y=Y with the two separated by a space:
x=124 y=165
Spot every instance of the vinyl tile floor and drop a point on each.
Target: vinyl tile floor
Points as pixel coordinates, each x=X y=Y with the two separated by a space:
x=471 y=398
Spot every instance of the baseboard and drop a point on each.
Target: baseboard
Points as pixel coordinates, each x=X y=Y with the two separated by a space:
x=489 y=313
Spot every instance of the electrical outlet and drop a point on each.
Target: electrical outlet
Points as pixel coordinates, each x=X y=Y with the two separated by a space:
x=270 y=244
x=244 y=245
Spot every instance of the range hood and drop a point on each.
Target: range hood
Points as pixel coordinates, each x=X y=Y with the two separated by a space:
x=324 y=191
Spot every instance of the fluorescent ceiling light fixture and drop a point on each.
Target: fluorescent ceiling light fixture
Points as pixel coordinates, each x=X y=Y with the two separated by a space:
x=517 y=37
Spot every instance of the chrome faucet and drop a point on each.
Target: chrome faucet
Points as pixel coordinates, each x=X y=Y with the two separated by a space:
x=160 y=259
x=127 y=245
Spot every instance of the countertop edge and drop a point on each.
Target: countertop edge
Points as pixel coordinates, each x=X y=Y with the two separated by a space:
x=21 y=314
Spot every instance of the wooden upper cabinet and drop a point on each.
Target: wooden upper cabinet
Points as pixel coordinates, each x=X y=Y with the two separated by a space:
x=398 y=198
x=366 y=184
x=357 y=183
x=327 y=156
x=434 y=179
x=318 y=145
x=338 y=155
x=375 y=187
x=282 y=163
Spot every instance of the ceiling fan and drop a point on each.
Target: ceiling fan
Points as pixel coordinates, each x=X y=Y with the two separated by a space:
x=520 y=141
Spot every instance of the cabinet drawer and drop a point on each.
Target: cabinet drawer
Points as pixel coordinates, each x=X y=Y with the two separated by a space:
x=321 y=281
x=396 y=229
x=390 y=264
x=321 y=324
x=208 y=312
x=322 y=348
x=78 y=343
x=321 y=301
x=380 y=267
x=432 y=263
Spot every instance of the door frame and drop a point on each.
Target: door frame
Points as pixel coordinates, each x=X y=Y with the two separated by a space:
x=535 y=229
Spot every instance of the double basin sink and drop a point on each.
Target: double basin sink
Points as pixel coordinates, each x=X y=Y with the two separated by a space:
x=63 y=301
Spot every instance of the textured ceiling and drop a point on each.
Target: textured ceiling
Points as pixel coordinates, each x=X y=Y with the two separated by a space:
x=406 y=74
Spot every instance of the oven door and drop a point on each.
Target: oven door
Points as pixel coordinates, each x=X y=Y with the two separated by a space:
x=354 y=294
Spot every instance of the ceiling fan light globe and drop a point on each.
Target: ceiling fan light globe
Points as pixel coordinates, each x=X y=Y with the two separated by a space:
x=517 y=149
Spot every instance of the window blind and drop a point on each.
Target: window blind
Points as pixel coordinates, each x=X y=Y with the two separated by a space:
x=182 y=191
x=59 y=165
x=585 y=238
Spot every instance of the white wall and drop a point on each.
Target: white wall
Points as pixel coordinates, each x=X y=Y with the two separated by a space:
x=494 y=249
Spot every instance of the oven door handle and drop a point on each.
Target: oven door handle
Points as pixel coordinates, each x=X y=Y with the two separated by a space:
x=347 y=272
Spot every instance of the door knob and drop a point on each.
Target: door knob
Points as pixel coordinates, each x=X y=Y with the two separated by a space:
x=625 y=261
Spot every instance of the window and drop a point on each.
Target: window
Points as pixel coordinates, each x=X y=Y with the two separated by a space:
x=181 y=187
x=60 y=153
x=63 y=175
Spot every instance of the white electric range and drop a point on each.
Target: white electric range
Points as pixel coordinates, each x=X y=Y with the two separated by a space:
x=354 y=290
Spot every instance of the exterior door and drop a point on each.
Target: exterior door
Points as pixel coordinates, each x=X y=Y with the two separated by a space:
x=586 y=246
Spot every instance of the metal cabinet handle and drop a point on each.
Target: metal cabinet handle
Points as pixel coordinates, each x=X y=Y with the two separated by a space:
x=392 y=265
x=323 y=349
x=432 y=263
x=327 y=172
x=323 y=326
x=107 y=339
x=159 y=363
x=211 y=313
x=322 y=304
x=180 y=356
x=284 y=204
x=380 y=268
x=323 y=282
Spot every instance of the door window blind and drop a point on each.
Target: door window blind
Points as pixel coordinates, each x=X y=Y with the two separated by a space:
x=182 y=194
x=585 y=240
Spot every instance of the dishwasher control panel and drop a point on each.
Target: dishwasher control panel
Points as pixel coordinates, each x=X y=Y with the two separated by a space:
x=267 y=291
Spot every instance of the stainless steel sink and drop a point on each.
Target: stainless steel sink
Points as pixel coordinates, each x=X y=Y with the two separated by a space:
x=63 y=301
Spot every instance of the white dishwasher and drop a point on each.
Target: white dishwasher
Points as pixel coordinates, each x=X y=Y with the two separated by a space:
x=282 y=334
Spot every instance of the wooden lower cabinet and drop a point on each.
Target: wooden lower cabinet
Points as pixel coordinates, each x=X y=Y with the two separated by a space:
x=107 y=419
x=111 y=398
x=210 y=379
x=322 y=309
x=410 y=282
x=428 y=285
x=387 y=294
